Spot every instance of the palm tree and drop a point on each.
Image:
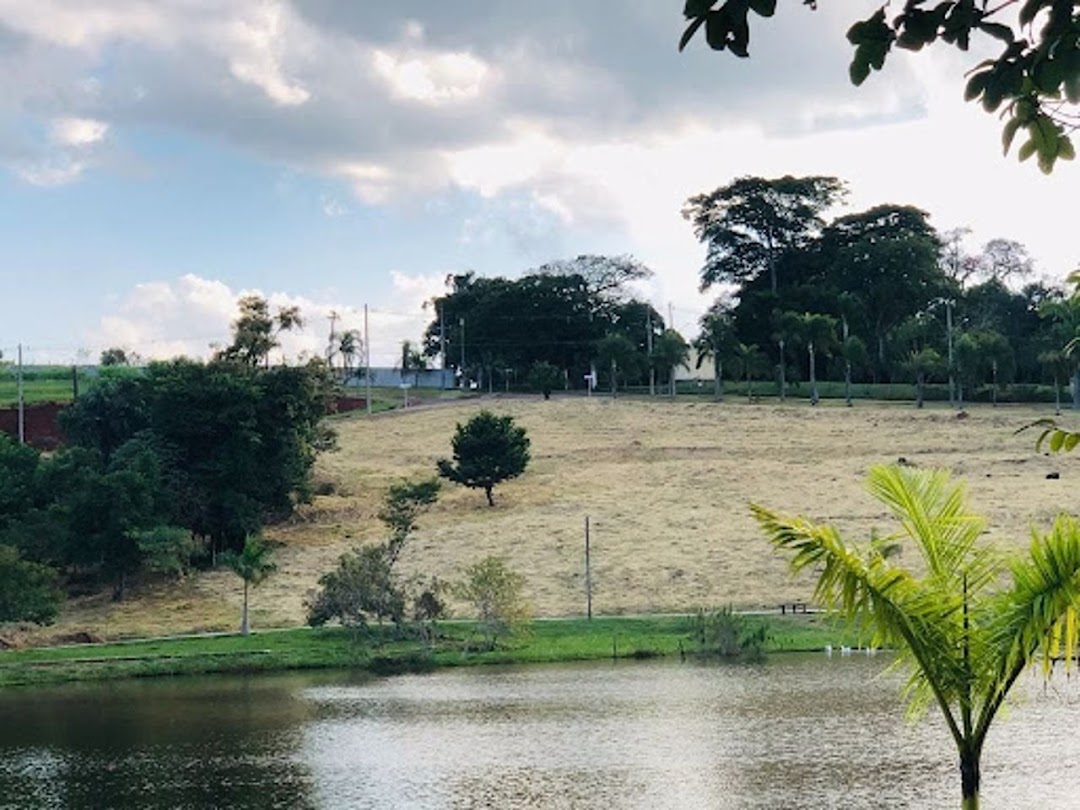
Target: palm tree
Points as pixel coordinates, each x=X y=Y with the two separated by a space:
x=252 y=565
x=349 y=347
x=619 y=353
x=964 y=638
x=818 y=333
x=1059 y=365
x=717 y=340
x=670 y=350
x=749 y=361
x=920 y=365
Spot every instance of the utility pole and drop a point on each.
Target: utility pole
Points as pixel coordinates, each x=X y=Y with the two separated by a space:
x=367 y=363
x=648 y=346
x=333 y=316
x=948 y=332
x=588 y=573
x=22 y=404
x=461 y=368
x=442 y=347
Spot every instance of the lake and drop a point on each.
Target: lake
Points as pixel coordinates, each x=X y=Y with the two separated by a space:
x=796 y=732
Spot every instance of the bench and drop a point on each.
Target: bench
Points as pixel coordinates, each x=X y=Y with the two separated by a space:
x=793 y=607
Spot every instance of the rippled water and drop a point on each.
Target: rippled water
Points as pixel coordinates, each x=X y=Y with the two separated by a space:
x=797 y=732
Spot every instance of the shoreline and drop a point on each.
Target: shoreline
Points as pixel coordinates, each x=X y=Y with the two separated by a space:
x=304 y=648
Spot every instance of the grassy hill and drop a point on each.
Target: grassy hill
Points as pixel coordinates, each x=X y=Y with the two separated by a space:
x=665 y=484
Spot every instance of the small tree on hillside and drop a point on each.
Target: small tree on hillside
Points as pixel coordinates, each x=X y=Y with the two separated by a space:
x=365 y=584
x=495 y=592
x=488 y=449
x=253 y=565
x=545 y=378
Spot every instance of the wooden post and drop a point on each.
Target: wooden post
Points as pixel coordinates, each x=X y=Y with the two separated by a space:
x=588 y=574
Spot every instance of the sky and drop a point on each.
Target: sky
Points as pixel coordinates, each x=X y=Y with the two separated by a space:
x=161 y=158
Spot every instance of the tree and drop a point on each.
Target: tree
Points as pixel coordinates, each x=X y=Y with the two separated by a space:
x=350 y=348
x=488 y=449
x=717 y=341
x=786 y=326
x=113 y=356
x=255 y=331
x=920 y=365
x=749 y=362
x=236 y=443
x=495 y=592
x=818 y=333
x=670 y=350
x=403 y=505
x=544 y=377
x=253 y=565
x=1064 y=318
x=749 y=223
x=616 y=353
x=28 y=590
x=1059 y=366
x=886 y=258
x=412 y=361
x=1033 y=82
x=365 y=583
x=361 y=587
x=965 y=636
x=606 y=277
x=981 y=354
x=1004 y=259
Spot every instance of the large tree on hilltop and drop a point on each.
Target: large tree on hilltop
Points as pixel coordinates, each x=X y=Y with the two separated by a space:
x=606 y=277
x=888 y=259
x=1033 y=83
x=553 y=315
x=750 y=223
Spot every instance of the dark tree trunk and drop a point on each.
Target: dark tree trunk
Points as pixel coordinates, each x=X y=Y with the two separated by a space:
x=1076 y=390
x=718 y=381
x=813 y=377
x=969 y=780
x=487 y=491
x=920 y=379
x=783 y=377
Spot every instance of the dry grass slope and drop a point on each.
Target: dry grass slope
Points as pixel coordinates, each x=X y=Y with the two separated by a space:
x=666 y=485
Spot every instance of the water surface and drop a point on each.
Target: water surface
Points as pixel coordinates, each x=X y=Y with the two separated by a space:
x=797 y=732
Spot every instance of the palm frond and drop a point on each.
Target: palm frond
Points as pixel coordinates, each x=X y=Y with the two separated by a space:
x=933 y=512
x=863 y=586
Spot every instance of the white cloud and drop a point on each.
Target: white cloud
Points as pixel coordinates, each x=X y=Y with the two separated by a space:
x=430 y=77
x=333 y=208
x=77 y=132
x=258 y=41
x=56 y=171
x=191 y=315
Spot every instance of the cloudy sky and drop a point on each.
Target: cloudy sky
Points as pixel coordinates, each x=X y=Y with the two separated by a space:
x=159 y=158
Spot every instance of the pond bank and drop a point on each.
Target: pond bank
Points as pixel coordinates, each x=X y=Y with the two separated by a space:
x=545 y=641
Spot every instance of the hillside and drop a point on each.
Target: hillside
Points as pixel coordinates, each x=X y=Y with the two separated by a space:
x=666 y=485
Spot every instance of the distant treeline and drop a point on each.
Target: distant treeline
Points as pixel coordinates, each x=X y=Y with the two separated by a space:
x=876 y=296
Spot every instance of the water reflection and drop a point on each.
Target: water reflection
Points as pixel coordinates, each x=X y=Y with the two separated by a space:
x=799 y=732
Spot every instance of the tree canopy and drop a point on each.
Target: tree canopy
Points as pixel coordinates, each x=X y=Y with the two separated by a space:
x=488 y=449
x=1033 y=83
x=554 y=314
